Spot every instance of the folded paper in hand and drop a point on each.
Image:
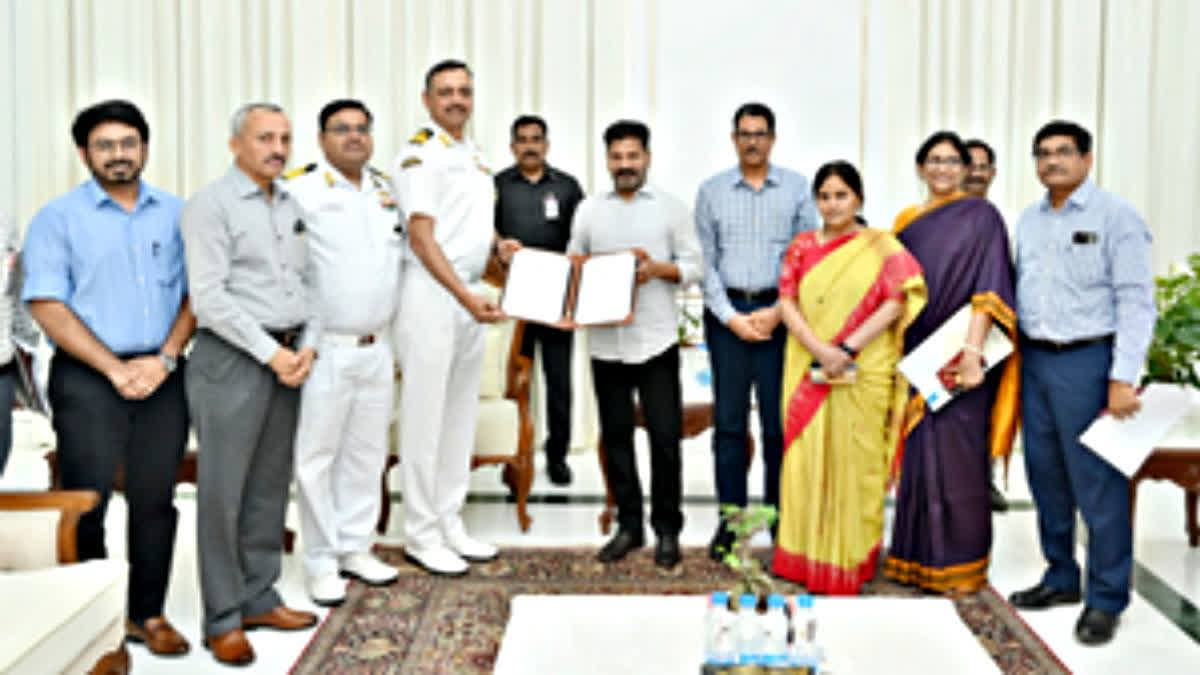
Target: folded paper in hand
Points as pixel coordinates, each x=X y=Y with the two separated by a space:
x=1127 y=443
x=569 y=290
x=926 y=366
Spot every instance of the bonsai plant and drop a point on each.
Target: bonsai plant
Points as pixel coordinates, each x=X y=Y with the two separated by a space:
x=1175 y=348
x=744 y=523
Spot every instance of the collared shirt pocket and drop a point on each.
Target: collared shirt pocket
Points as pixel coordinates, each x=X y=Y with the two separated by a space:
x=1084 y=257
x=167 y=254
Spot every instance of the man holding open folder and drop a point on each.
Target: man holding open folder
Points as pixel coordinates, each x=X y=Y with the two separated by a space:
x=1085 y=298
x=644 y=354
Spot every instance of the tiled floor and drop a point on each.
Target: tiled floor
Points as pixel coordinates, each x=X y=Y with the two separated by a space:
x=1147 y=642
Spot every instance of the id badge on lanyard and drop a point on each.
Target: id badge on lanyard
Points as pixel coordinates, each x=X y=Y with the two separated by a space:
x=550 y=204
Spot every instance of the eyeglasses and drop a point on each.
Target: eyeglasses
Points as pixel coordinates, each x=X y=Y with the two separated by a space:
x=948 y=162
x=129 y=144
x=344 y=129
x=979 y=167
x=1061 y=152
x=752 y=135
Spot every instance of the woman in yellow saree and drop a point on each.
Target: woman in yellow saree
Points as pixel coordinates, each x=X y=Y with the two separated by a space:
x=847 y=293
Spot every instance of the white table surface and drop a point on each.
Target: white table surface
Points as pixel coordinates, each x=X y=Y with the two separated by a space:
x=620 y=634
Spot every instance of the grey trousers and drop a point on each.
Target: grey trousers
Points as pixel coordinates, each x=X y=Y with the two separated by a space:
x=245 y=423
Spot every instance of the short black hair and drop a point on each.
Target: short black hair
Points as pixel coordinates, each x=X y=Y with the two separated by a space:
x=622 y=129
x=525 y=120
x=1083 y=139
x=115 y=110
x=939 y=137
x=979 y=143
x=844 y=170
x=442 y=66
x=754 y=110
x=337 y=105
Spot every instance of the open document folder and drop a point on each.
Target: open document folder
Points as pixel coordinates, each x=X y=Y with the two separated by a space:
x=926 y=366
x=569 y=291
x=1127 y=443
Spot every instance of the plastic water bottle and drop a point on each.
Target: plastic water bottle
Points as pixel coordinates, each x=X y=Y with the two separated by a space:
x=720 y=646
x=774 y=630
x=804 y=640
x=749 y=632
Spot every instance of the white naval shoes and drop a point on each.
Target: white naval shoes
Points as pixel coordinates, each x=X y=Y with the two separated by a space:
x=470 y=549
x=367 y=569
x=328 y=590
x=437 y=560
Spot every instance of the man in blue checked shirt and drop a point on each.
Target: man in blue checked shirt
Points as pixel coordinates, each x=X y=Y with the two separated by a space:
x=745 y=218
x=105 y=280
x=1085 y=306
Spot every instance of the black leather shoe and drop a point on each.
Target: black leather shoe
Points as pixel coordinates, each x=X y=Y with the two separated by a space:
x=559 y=472
x=620 y=546
x=1095 y=626
x=666 y=552
x=1042 y=596
x=999 y=503
x=721 y=543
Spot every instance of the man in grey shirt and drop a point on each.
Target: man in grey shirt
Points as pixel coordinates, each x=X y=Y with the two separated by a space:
x=248 y=270
x=643 y=355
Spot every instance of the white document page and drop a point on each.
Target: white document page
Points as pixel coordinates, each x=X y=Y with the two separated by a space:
x=1127 y=443
x=537 y=285
x=605 y=289
x=922 y=364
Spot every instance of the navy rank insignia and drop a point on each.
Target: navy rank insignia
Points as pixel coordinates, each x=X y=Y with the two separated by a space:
x=410 y=162
x=421 y=136
x=299 y=171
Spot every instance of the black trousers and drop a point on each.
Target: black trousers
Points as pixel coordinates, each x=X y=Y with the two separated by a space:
x=556 y=365
x=659 y=392
x=98 y=431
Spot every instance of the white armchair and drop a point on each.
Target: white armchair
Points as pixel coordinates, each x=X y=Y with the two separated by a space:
x=62 y=616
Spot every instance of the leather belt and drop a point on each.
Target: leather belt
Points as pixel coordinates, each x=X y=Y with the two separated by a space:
x=1053 y=346
x=345 y=340
x=287 y=337
x=760 y=295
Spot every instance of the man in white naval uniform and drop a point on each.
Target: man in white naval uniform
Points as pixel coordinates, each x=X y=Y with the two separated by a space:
x=354 y=241
x=447 y=198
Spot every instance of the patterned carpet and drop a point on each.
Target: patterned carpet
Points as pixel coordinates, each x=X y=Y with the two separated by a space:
x=423 y=624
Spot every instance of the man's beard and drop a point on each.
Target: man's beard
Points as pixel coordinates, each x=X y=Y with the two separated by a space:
x=129 y=174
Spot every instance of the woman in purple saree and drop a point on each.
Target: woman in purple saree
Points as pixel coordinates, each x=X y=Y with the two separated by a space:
x=942 y=531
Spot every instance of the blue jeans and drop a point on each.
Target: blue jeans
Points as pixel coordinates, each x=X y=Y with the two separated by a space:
x=736 y=366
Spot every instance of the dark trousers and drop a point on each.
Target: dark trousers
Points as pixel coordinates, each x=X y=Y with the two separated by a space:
x=736 y=366
x=98 y=431
x=659 y=392
x=1061 y=393
x=7 y=394
x=556 y=365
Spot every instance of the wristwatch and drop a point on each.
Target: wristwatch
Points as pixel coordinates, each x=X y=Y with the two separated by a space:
x=169 y=362
x=850 y=351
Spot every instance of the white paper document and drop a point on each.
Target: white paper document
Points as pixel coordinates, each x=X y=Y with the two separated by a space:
x=1127 y=443
x=922 y=364
x=537 y=284
x=605 y=289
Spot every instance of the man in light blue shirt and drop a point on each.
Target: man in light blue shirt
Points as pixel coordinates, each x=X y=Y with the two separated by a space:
x=745 y=218
x=105 y=280
x=1085 y=303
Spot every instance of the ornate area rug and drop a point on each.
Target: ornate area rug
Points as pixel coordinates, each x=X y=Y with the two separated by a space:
x=425 y=624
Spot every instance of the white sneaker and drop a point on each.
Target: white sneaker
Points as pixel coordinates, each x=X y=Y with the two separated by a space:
x=367 y=569
x=437 y=560
x=328 y=590
x=470 y=549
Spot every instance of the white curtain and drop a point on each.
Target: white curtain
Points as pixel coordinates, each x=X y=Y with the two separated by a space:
x=861 y=80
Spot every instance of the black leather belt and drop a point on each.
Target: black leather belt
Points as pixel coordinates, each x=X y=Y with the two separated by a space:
x=1052 y=346
x=761 y=295
x=287 y=337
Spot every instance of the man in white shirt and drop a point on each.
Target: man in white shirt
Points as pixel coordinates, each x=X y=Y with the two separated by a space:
x=645 y=354
x=447 y=198
x=345 y=407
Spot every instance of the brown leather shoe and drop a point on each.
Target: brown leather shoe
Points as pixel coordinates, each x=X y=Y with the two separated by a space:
x=231 y=648
x=281 y=618
x=159 y=636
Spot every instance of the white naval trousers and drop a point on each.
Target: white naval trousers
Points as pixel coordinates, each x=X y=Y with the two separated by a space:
x=440 y=347
x=341 y=447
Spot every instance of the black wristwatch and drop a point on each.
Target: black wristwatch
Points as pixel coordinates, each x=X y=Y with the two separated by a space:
x=850 y=351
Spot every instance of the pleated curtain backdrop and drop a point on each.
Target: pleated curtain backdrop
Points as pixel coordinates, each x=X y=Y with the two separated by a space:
x=865 y=81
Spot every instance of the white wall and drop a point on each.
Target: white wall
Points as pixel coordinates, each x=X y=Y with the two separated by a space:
x=864 y=80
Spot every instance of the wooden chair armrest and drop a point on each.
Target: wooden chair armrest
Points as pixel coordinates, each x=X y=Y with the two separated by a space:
x=72 y=504
x=519 y=367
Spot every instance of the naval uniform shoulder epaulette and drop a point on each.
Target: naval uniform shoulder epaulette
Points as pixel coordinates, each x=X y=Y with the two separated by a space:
x=300 y=171
x=376 y=172
x=421 y=136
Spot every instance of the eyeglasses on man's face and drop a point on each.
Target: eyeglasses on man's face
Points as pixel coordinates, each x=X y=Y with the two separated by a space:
x=751 y=135
x=1061 y=152
x=344 y=129
x=108 y=145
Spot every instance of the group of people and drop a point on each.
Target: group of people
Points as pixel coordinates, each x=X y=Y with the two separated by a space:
x=303 y=292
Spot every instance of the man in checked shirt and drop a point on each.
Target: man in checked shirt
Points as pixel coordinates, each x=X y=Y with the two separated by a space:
x=745 y=218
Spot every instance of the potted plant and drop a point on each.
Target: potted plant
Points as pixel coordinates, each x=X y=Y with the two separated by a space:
x=744 y=523
x=1175 y=348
